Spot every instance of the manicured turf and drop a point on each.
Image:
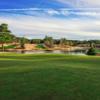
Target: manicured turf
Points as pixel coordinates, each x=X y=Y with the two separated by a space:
x=49 y=77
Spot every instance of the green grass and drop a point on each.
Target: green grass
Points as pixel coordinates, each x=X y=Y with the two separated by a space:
x=9 y=47
x=49 y=77
x=98 y=50
x=40 y=46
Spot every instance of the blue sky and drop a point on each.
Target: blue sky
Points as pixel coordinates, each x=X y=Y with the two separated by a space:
x=73 y=19
x=30 y=4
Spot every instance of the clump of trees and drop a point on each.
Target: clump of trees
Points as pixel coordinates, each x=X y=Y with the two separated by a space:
x=48 y=41
x=64 y=42
x=5 y=35
x=36 y=41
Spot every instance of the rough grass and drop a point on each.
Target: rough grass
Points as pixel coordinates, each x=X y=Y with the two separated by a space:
x=9 y=47
x=49 y=77
x=98 y=50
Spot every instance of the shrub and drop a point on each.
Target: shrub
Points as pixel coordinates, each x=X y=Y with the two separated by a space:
x=91 y=51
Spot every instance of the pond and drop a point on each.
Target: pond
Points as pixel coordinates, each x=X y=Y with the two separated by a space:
x=79 y=52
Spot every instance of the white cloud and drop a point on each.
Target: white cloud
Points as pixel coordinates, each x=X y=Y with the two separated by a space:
x=52 y=12
x=81 y=3
x=39 y=27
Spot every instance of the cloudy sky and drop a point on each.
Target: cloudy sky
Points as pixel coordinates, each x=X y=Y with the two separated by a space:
x=73 y=19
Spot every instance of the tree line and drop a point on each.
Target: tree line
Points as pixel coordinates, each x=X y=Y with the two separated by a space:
x=6 y=36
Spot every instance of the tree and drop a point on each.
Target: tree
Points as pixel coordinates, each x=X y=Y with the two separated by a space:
x=48 y=41
x=22 y=42
x=91 y=51
x=4 y=28
x=37 y=41
x=64 y=42
x=5 y=35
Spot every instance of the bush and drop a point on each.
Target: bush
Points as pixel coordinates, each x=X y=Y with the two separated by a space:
x=40 y=46
x=91 y=51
